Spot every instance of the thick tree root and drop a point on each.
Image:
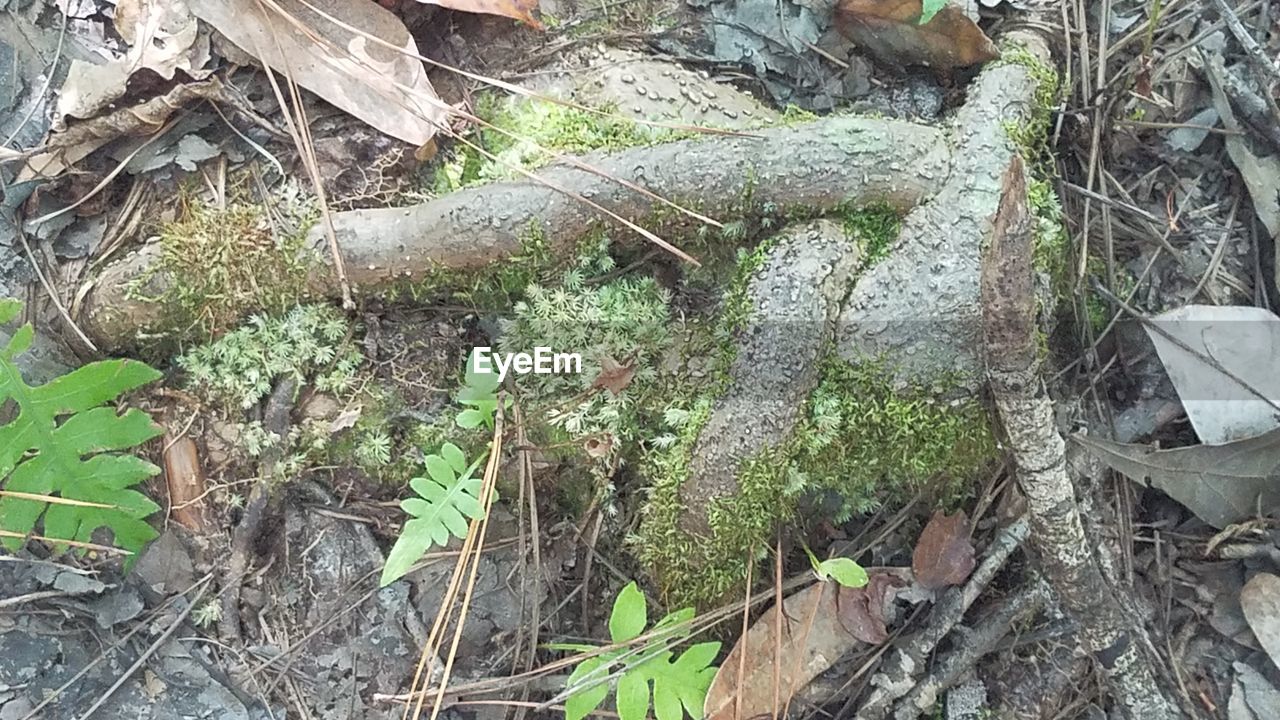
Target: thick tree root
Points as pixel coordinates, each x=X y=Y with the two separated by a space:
x=916 y=312
x=808 y=167
x=1067 y=553
x=795 y=296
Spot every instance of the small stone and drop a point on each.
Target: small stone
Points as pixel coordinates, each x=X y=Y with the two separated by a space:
x=642 y=91
x=628 y=78
x=709 y=94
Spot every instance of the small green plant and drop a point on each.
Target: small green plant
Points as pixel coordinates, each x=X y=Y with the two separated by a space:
x=447 y=497
x=678 y=685
x=310 y=343
x=480 y=394
x=624 y=320
x=843 y=570
x=60 y=459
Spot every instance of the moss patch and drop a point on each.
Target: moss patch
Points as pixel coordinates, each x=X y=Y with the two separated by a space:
x=221 y=264
x=860 y=439
x=876 y=227
x=525 y=134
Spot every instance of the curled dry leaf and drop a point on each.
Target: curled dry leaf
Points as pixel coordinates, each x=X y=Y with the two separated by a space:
x=384 y=85
x=861 y=610
x=890 y=31
x=819 y=625
x=521 y=10
x=163 y=37
x=598 y=446
x=1260 y=601
x=943 y=555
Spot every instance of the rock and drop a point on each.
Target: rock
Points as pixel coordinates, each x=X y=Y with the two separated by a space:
x=501 y=604
x=371 y=648
x=40 y=652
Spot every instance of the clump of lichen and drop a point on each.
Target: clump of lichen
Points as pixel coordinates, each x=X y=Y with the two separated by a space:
x=221 y=263
x=622 y=323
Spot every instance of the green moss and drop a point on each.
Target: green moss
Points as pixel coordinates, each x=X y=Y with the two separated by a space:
x=876 y=227
x=525 y=134
x=218 y=265
x=860 y=439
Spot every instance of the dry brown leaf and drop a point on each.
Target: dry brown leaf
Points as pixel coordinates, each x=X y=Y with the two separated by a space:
x=613 y=376
x=861 y=610
x=889 y=30
x=599 y=446
x=68 y=147
x=1260 y=600
x=521 y=10
x=385 y=88
x=164 y=38
x=819 y=625
x=1221 y=484
x=184 y=477
x=943 y=555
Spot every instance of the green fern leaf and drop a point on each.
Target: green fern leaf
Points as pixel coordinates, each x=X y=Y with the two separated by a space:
x=65 y=443
x=480 y=394
x=678 y=686
x=447 y=498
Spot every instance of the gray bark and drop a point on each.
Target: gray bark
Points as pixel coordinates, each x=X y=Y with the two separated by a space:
x=795 y=297
x=919 y=307
x=815 y=166
x=1065 y=550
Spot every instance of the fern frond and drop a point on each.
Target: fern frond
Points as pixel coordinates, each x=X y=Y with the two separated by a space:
x=65 y=443
x=447 y=498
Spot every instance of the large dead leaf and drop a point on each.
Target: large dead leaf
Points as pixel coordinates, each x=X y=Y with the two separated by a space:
x=819 y=625
x=1221 y=484
x=1220 y=361
x=383 y=87
x=521 y=10
x=163 y=37
x=1260 y=600
x=943 y=555
x=890 y=31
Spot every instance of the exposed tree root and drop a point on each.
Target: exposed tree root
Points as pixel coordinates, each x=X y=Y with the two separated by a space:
x=1067 y=554
x=808 y=167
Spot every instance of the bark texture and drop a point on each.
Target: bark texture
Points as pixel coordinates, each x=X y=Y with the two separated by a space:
x=812 y=166
x=795 y=297
x=1058 y=535
x=934 y=329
